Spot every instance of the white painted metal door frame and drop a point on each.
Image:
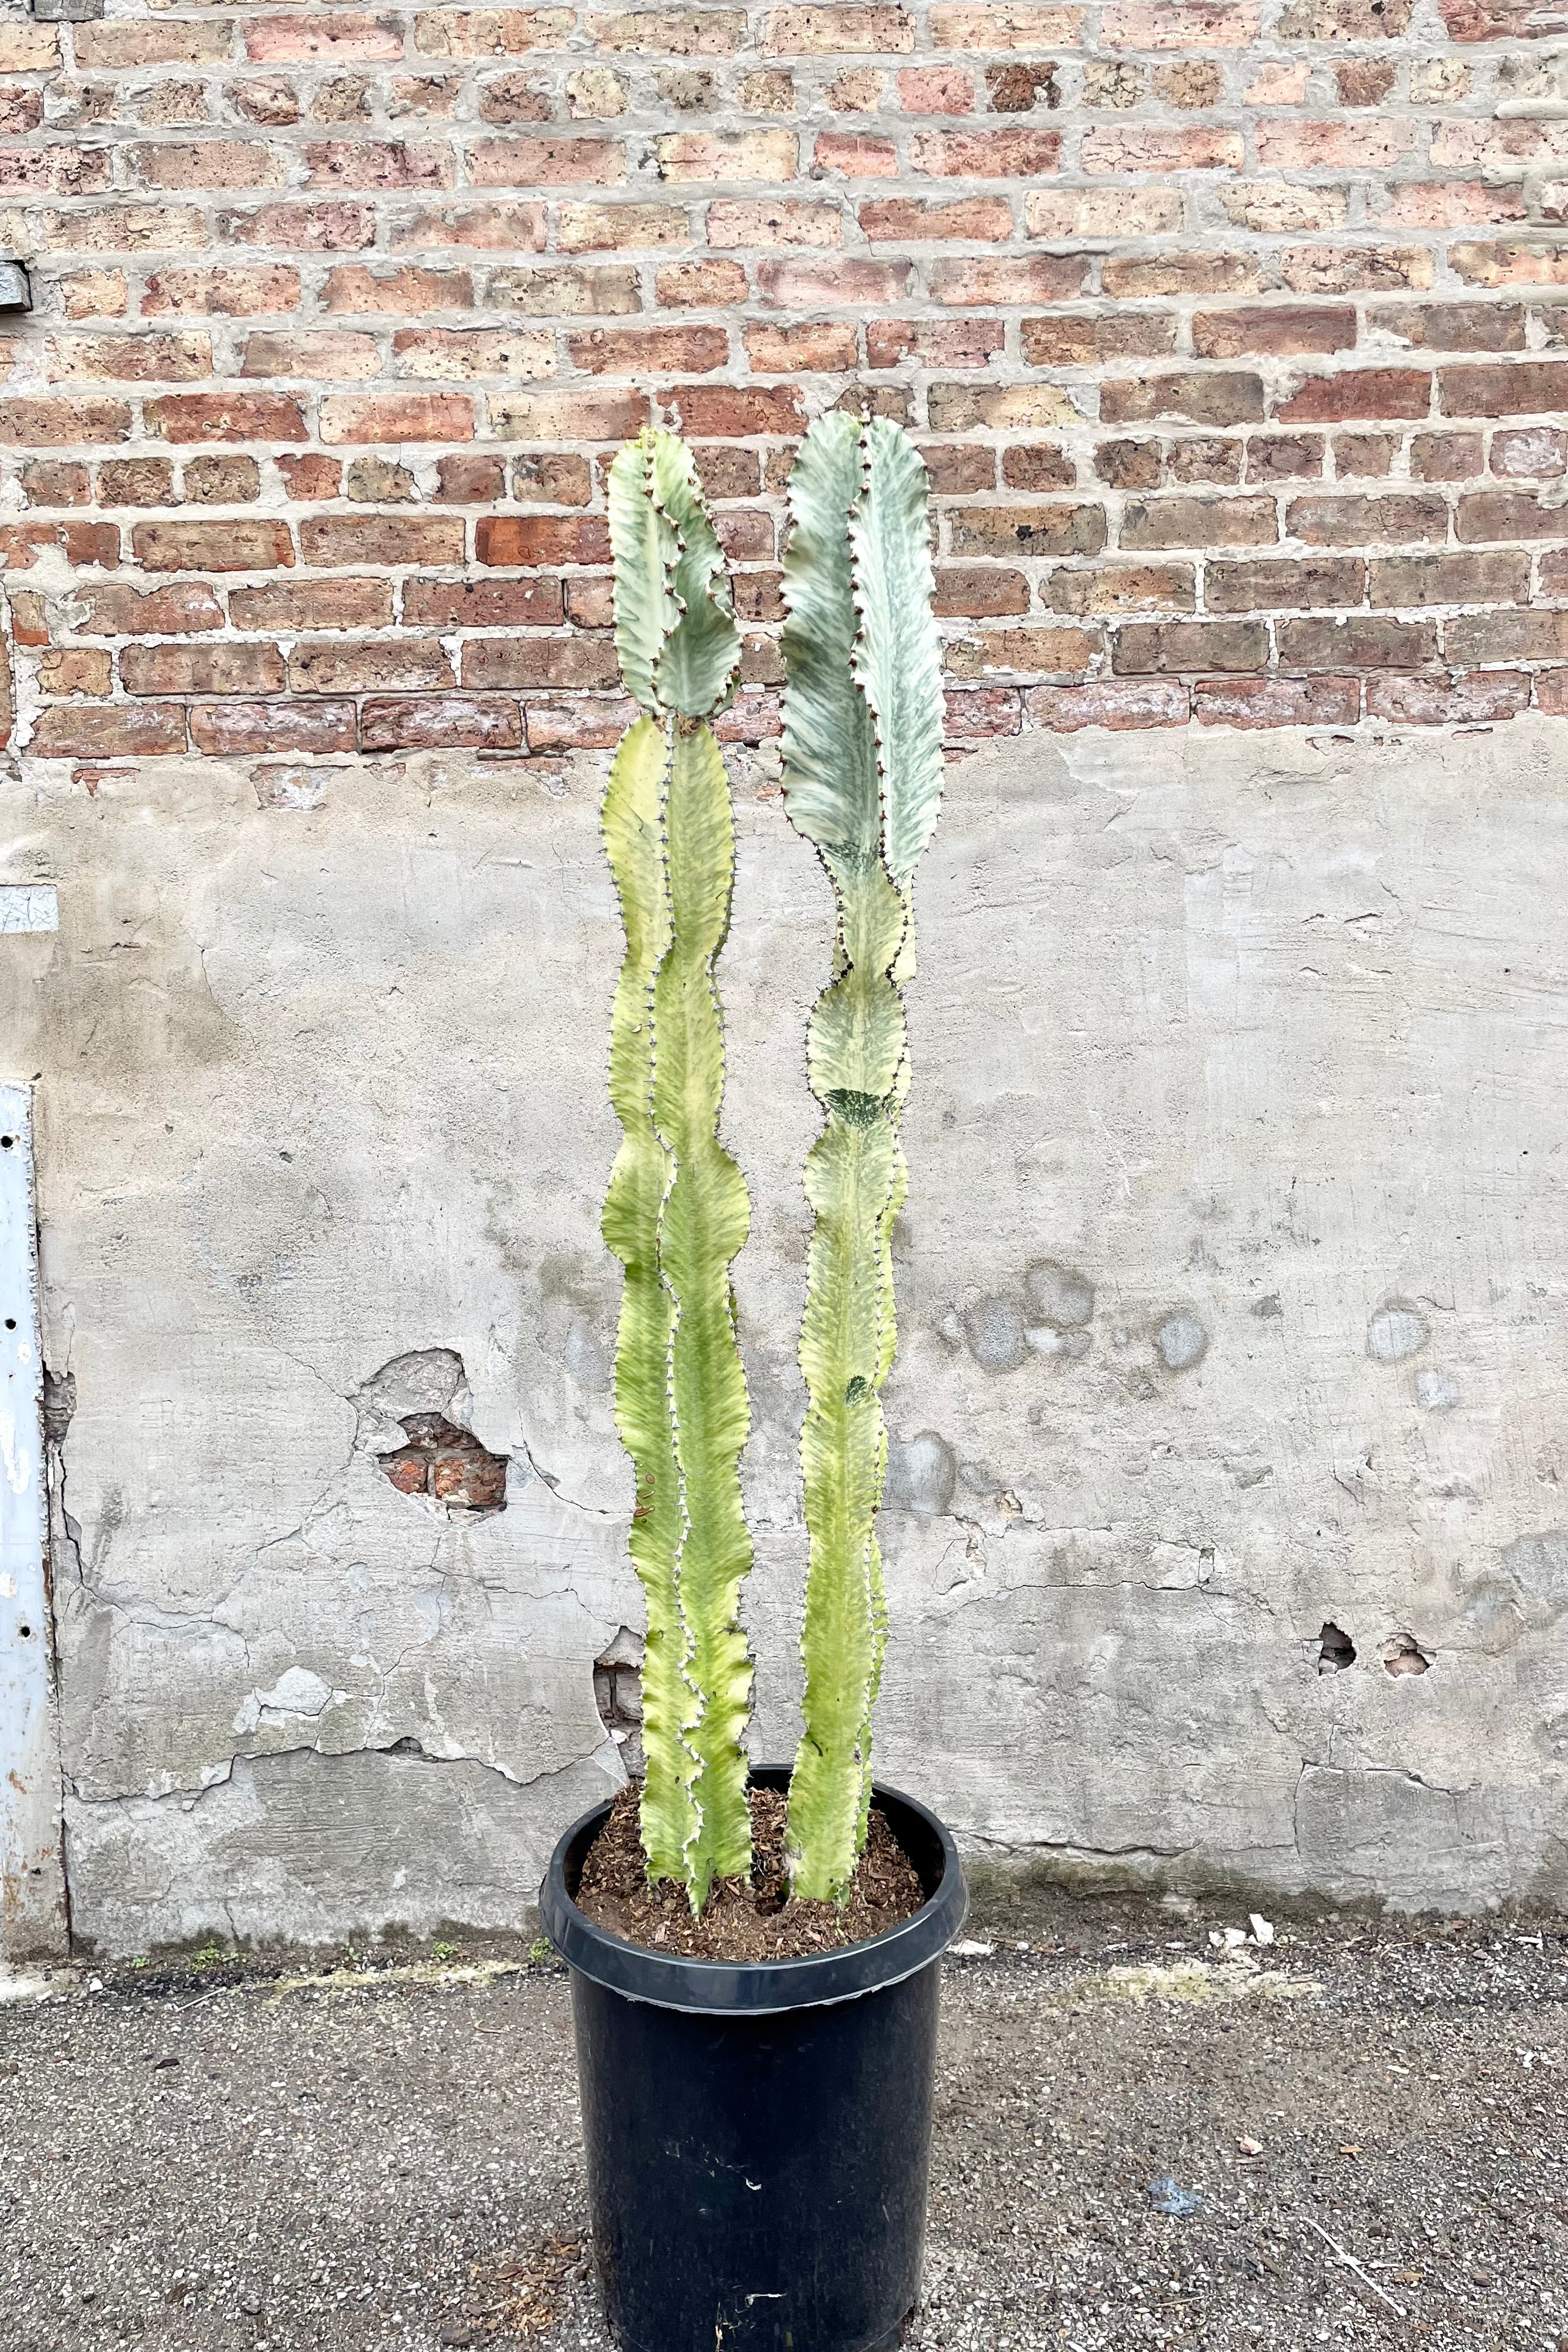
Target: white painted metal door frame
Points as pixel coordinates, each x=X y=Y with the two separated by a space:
x=32 y=1875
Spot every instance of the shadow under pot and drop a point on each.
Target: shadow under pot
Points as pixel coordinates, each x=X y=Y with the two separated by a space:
x=758 y=2134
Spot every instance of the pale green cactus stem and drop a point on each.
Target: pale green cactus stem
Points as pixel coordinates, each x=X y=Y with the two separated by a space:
x=862 y=779
x=677 y=1210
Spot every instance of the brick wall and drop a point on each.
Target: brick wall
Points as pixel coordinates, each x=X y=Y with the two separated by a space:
x=1236 y=335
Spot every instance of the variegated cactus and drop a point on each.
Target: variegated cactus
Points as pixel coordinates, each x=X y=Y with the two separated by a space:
x=863 y=735
x=677 y=1210
x=862 y=746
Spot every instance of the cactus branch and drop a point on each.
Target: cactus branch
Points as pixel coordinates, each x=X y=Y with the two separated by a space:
x=677 y=1210
x=862 y=782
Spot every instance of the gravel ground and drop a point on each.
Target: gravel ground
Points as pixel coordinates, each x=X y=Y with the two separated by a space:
x=216 y=2157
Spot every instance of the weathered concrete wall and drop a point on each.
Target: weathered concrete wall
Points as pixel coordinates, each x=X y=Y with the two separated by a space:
x=1232 y=1288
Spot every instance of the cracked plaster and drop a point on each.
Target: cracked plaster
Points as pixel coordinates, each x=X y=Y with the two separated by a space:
x=1261 y=1040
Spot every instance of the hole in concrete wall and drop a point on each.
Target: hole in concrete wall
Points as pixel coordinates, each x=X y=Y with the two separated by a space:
x=448 y=1463
x=1402 y=1656
x=617 y=1694
x=1336 y=1651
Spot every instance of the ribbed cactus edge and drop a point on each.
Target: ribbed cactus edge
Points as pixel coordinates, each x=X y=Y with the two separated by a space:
x=677 y=1210
x=862 y=780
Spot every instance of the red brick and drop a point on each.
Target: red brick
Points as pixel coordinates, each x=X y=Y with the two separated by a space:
x=1483 y=694
x=1085 y=343
x=360 y=665
x=534 y=539
x=585 y=413
x=785 y=349
x=1290 y=583
x=741 y=411
x=1113 y=588
x=470 y=479
x=546 y=163
x=935 y=342
x=1552 y=692
x=232 y=730
x=670 y=32
x=1184 y=645
x=1011 y=154
x=1446 y=456
x=1453 y=326
x=1156 y=149
x=586 y=724
x=908 y=220
x=1000 y=25
x=962 y=469
x=977 y=714
x=998 y=278
x=341 y=37
x=135 y=730
x=856 y=155
x=112 y=611
x=701 y=285
x=131 y=359
x=230 y=546
x=1394 y=520
x=700 y=157
x=381 y=538
x=1361 y=643
x=1532 y=453
x=482 y=603
x=771 y=222
x=1062 y=529
x=841 y=285
x=21 y=543
x=1042 y=651
x=289 y=605
x=1353 y=268
x=1358 y=393
x=1283 y=457
x=134 y=42
x=400 y=416
x=459 y=354
x=334 y=357
x=1286 y=145
x=1527 y=388
x=201 y=669
x=1412 y=582
x=1141 y=278
x=939 y=89
x=1507 y=514
x=1283 y=328
x=837 y=32
x=494 y=227
x=311 y=477
x=77 y=670
x=1277 y=701
x=491 y=32
x=1510 y=265
x=1179 y=23
x=272 y=286
x=1199 y=522
x=62 y=424
x=1345 y=20
x=655 y=351
x=210 y=163
x=1118 y=703
x=402 y=292
x=974 y=592
x=387 y=163
x=580 y=663
x=1470 y=639
x=304 y=229
x=1197 y=397
x=1004 y=407
x=440 y=722
x=227 y=416
x=54 y=171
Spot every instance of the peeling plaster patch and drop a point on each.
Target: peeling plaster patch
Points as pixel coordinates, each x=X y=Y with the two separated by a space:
x=996 y=1334
x=1494 y=1614
x=617 y=1694
x=1181 y=1342
x=1437 y=1392
x=413 y=1418
x=293 y=786
x=298 y=1695
x=1397 y=1329
x=1401 y=1656
x=921 y=1474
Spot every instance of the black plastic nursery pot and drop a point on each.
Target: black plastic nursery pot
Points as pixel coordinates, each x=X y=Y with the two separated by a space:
x=759 y=2134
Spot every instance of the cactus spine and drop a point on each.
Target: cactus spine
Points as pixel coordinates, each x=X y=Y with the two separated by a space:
x=677 y=1210
x=862 y=746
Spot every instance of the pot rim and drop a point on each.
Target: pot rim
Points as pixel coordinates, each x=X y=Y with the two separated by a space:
x=761 y=1988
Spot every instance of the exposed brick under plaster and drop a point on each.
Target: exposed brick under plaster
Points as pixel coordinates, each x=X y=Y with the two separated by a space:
x=1236 y=337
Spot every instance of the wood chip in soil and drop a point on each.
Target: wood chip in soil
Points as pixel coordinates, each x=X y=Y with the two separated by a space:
x=743 y=1919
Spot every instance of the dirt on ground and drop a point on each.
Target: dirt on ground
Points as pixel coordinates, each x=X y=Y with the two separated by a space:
x=744 y=1918
x=1346 y=2135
